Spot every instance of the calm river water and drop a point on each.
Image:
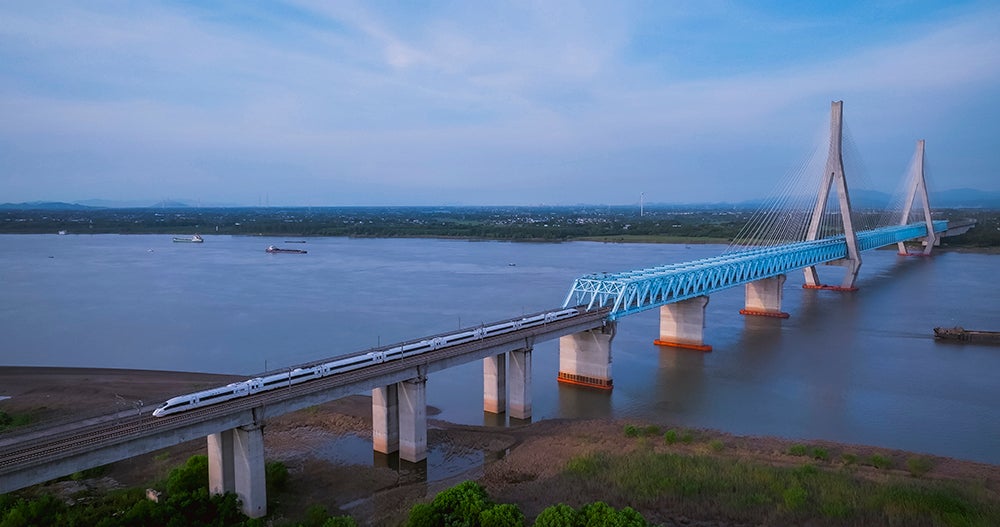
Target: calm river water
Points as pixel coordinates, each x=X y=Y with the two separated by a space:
x=859 y=367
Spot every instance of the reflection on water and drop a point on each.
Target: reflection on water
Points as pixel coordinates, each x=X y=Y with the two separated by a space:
x=443 y=460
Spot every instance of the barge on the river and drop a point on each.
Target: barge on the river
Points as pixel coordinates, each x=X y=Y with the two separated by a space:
x=959 y=333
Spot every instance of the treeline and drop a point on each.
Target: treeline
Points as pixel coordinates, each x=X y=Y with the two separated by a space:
x=488 y=223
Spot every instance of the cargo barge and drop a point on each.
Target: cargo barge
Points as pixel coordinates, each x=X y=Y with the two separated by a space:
x=959 y=333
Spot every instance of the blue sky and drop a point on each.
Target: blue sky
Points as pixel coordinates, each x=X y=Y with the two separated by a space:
x=422 y=103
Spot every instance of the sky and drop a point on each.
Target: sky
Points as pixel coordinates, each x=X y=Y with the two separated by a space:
x=330 y=103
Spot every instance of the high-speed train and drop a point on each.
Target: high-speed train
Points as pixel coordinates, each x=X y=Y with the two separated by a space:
x=307 y=373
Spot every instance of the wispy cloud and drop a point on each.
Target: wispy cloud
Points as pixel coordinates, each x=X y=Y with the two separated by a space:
x=307 y=98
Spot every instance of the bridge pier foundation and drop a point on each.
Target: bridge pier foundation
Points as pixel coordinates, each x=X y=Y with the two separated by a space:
x=385 y=419
x=495 y=384
x=682 y=324
x=520 y=383
x=763 y=297
x=585 y=357
x=236 y=464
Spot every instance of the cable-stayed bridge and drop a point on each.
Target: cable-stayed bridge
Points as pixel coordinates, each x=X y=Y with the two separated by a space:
x=789 y=235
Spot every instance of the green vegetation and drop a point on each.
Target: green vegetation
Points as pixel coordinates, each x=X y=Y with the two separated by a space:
x=797 y=450
x=468 y=505
x=880 y=461
x=186 y=503
x=617 y=224
x=918 y=466
x=8 y=421
x=749 y=492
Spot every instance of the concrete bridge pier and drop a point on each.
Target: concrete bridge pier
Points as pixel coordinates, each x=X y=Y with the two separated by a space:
x=385 y=419
x=413 y=419
x=498 y=397
x=585 y=357
x=682 y=324
x=236 y=464
x=763 y=297
x=495 y=384
x=520 y=384
x=399 y=419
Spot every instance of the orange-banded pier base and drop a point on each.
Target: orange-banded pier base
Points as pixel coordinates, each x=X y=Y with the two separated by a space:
x=757 y=313
x=583 y=380
x=829 y=287
x=685 y=345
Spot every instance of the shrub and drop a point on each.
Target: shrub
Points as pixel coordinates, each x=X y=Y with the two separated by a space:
x=820 y=454
x=275 y=476
x=879 y=461
x=797 y=450
x=670 y=437
x=687 y=438
x=631 y=431
x=849 y=458
x=560 y=515
x=423 y=515
x=503 y=515
x=189 y=477
x=462 y=503
x=651 y=430
x=918 y=466
x=715 y=445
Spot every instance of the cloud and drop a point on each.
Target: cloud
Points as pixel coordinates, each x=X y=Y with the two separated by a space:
x=456 y=95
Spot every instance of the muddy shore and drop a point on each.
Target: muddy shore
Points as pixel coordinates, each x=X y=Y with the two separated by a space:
x=518 y=463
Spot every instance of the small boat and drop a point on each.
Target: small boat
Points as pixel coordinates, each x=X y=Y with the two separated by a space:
x=967 y=335
x=275 y=250
x=194 y=239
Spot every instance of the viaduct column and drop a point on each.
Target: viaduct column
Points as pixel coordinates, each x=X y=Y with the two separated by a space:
x=413 y=418
x=682 y=324
x=520 y=383
x=495 y=384
x=585 y=357
x=236 y=464
x=385 y=419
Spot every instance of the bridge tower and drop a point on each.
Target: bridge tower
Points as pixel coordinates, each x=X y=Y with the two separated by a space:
x=919 y=185
x=834 y=175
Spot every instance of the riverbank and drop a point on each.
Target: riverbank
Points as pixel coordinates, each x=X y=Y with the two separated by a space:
x=518 y=465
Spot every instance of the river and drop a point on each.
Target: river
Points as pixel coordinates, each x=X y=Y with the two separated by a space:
x=857 y=367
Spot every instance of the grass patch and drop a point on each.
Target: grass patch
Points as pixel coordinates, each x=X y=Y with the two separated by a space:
x=715 y=445
x=753 y=492
x=849 y=458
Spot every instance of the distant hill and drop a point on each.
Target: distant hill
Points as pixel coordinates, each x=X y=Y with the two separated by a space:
x=45 y=205
x=965 y=198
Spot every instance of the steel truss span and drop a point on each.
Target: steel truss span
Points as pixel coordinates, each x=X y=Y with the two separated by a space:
x=634 y=291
